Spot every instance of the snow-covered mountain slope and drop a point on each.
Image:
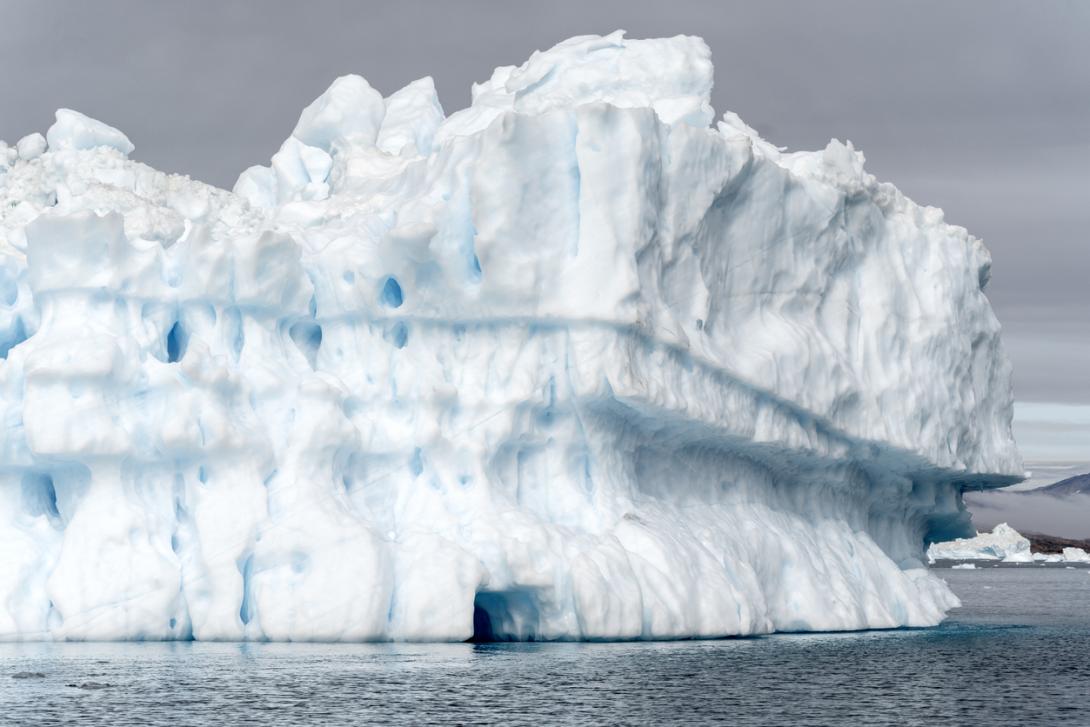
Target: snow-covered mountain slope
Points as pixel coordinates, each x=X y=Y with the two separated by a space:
x=568 y=364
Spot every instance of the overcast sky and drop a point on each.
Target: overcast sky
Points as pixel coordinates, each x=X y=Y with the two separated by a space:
x=981 y=108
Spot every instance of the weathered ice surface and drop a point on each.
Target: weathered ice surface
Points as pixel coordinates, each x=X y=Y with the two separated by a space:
x=572 y=363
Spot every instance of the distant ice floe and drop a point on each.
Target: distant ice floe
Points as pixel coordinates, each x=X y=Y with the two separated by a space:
x=1004 y=544
x=1069 y=555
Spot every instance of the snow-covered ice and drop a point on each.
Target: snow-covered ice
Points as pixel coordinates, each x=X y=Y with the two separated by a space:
x=571 y=363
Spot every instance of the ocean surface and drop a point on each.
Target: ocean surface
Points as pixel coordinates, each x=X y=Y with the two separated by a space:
x=1016 y=653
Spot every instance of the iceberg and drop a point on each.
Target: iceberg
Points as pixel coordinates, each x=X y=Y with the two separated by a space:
x=1075 y=555
x=571 y=363
x=1066 y=555
x=1004 y=543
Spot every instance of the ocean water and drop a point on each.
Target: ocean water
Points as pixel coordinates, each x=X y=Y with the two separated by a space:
x=1016 y=653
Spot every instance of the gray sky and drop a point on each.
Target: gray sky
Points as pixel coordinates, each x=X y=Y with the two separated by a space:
x=981 y=108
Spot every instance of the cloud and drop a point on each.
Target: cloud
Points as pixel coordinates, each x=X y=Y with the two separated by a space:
x=1053 y=435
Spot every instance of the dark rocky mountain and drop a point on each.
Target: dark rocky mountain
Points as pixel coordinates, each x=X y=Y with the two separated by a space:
x=1051 y=544
x=1077 y=485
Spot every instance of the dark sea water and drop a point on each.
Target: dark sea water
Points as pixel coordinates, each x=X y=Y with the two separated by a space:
x=1017 y=653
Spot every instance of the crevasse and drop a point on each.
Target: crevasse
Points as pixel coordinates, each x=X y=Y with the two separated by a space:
x=568 y=364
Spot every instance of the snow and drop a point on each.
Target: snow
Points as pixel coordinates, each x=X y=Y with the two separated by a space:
x=568 y=364
x=964 y=566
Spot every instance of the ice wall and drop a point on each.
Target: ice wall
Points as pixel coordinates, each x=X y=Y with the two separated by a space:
x=568 y=364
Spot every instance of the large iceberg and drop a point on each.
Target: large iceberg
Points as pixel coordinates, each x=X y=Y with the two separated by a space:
x=571 y=363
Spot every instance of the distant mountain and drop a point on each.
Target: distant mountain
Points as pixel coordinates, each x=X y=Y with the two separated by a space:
x=1077 y=485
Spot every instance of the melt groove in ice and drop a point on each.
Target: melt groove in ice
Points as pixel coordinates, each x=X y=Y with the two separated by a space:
x=572 y=363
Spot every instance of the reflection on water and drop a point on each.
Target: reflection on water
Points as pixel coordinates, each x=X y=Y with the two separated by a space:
x=1018 y=652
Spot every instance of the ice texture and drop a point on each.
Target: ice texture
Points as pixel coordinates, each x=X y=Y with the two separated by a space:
x=568 y=364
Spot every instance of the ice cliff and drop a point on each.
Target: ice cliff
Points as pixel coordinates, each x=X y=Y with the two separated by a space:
x=572 y=363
